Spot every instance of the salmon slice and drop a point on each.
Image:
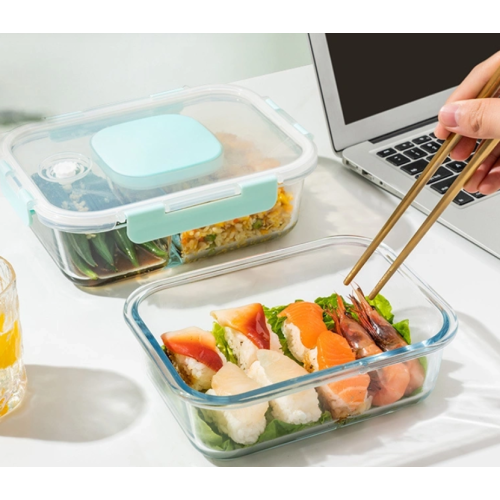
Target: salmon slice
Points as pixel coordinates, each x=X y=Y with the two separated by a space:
x=250 y=320
x=348 y=396
x=308 y=318
x=194 y=343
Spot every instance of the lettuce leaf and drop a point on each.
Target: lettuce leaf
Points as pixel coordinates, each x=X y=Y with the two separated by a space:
x=275 y=428
x=403 y=328
x=221 y=343
x=276 y=324
x=331 y=303
x=272 y=318
x=382 y=306
x=211 y=437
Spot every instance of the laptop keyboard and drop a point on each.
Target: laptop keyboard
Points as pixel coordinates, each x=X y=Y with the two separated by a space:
x=414 y=155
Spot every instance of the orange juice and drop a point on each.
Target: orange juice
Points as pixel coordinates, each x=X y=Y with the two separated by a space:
x=12 y=372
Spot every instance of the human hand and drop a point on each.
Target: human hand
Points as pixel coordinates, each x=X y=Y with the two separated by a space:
x=474 y=119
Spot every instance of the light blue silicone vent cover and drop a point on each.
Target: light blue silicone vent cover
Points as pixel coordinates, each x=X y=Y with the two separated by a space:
x=156 y=151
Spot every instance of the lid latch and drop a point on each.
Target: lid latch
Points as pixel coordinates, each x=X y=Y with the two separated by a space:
x=152 y=222
x=18 y=197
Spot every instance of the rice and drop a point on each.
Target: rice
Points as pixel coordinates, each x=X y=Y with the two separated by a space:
x=240 y=157
x=239 y=232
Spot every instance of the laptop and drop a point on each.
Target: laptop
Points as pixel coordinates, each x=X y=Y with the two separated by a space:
x=382 y=94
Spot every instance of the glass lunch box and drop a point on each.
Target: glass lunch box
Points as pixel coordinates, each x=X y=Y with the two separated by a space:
x=157 y=182
x=302 y=272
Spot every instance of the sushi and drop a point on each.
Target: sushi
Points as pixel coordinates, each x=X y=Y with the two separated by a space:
x=346 y=397
x=301 y=328
x=273 y=367
x=194 y=355
x=243 y=426
x=246 y=331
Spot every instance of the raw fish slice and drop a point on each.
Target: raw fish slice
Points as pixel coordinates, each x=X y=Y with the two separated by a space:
x=308 y=318
x=249 y=320
x=245 y=425
x=299 y=408
x=345 y=397
x=194 y=355
x=246 y=331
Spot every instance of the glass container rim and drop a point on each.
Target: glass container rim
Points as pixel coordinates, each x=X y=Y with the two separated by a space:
x=201 y=400
x=12 y=277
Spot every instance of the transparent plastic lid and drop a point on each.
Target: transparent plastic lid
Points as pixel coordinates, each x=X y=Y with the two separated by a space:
x=177 y=151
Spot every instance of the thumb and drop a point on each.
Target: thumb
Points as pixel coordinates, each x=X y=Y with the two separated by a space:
x=477 y=118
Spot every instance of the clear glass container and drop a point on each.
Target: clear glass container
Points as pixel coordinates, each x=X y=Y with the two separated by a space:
x=12 y=371
x=306 y=272
x=165 y=180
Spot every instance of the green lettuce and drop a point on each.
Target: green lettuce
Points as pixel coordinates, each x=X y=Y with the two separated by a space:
x=403 y=328
x=382 y=306
x=221 y=343
x=276 y=324
x=212 y=437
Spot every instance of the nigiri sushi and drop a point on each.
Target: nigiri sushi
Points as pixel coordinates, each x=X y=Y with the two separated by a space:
x=244 y=426
x=345 y=397
x=302 y=327
x=272 y=367
x=247 y=331
x=194 y=355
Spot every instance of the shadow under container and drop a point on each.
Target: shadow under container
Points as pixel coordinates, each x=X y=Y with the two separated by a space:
x=305 y=271
x=157 y=182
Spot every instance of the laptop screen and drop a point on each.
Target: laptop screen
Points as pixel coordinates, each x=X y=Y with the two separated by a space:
x=375 y=73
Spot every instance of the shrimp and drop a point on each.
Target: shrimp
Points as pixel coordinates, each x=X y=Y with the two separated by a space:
x=387 y=337
x=388 y=384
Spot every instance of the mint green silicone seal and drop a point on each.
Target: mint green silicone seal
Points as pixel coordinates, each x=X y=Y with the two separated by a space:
x=156 y=151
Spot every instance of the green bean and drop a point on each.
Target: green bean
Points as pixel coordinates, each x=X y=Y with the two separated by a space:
x=81 y=265
x=100 y=243
x=152 y=247
x=81 y=245
x=125 y=245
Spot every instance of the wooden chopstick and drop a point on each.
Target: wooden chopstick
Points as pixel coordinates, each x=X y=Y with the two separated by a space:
x=418 y=185
x=481 y=154
x=491 y=88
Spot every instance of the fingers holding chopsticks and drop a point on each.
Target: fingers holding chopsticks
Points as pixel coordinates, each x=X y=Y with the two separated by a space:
x=473 y=118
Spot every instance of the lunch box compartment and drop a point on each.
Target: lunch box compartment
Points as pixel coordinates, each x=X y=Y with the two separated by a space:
x=302 y=272
x=157 y=182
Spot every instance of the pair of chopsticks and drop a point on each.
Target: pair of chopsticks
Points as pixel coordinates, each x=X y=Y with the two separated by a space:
x=491 y=89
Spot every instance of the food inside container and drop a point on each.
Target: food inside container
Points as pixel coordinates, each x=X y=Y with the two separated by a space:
x=273 y=353
x=157 y=182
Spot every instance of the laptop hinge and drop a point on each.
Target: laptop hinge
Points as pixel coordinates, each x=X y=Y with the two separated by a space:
x=403 y=130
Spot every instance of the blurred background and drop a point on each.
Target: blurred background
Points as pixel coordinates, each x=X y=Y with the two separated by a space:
x=45 y=75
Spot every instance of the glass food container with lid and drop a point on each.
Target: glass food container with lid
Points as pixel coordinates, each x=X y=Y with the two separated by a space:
x=248 y=397
x=161 y=181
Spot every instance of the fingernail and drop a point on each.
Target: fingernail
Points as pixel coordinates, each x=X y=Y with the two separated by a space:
x=448 y=115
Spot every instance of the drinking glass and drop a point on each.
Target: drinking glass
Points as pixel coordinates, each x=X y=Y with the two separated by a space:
x=12 y=371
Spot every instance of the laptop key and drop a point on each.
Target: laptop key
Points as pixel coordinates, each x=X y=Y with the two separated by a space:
x=398 y=160
x=478 y=195
x=457 y=166
x=421 y=139
x=442 y=186
x=417 y=167
x=447 y=159
x=386 y=152
x=441 y=173
x=463 y=198
x=430 y=147
x=404 y=145
x=415 y=153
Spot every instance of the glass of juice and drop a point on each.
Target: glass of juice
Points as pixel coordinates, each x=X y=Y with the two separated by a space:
x=12 y=371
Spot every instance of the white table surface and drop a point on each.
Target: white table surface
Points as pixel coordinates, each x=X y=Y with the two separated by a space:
x=90 y=401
